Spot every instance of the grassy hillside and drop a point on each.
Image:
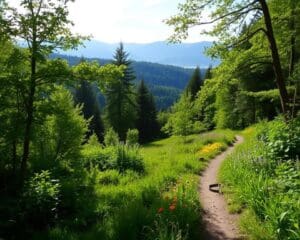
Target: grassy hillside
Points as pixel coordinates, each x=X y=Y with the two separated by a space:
x=160 y=203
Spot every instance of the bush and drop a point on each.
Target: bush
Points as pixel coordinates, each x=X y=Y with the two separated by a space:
x=109 y=177
x=111 y=138
x=58 y=142
x=132 y=137
x=41 y=199
x=282 y=139
x=121 y=157
x=129 y=158
x=102 y=158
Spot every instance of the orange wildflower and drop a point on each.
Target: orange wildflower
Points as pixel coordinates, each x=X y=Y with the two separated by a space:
x=160 y=210
x=172 y=207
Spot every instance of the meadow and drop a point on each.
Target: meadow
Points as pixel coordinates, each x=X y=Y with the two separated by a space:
x=160 y=202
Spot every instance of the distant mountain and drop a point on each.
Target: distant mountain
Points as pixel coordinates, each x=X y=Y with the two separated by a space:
x=184 y=54
x=165 y=82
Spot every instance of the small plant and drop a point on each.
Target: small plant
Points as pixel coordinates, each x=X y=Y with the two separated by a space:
x=282 y=139
x=111 y=138
x=129 y=158
x=110 y=177
x=132 y=137
x=41 y=198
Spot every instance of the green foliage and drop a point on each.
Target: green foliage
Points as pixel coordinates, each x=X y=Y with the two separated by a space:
x=100 y=158
x=181 y=121
x=282 y=139
x=90 y=108
x=195 y=83
x=41 y=199
x=132 y=137
x=111 y=138
x=109 y=177
x=120 y=157
x=268 y=188
x=146 y=122
x=225 y=102
x=58 y=141
x=120 y=97
x=205 y=103
x=128 y=158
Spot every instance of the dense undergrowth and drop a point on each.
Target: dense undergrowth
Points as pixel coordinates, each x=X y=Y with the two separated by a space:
x=154 y=199
x=262 y=179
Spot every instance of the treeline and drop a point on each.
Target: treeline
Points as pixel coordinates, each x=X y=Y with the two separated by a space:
x=164 y=81
x=248 y=85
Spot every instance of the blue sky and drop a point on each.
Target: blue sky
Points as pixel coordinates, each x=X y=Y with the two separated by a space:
x=134 y=21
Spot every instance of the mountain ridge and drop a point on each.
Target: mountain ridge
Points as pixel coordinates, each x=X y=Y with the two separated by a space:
x=183 y=54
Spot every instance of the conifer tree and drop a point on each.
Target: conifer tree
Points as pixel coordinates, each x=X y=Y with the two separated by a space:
x=147 y=123
x=120 y=97
x=194 y=84
x=86 y=96
x=208 y=73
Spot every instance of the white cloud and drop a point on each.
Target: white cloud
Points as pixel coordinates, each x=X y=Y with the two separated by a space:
x=127 y=20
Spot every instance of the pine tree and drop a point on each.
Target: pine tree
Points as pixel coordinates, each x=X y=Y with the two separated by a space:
x=147 y=123
x=86 y=96
x=120 y=98
x=194 y=84
x=121 y=58
x=208 y=73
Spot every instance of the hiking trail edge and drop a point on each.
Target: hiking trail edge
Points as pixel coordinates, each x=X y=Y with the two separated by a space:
x=217 y=222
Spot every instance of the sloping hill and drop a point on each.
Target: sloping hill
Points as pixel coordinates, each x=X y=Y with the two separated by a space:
x=166 y=82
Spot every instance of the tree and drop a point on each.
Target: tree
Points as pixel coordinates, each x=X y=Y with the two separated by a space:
x=60 y=137
x=181 y=121
x=146 y=123
x=44 y=26
x=208 y=73
x=120 y=104
x=228 y=16
x=85 y=95
x=195 y=83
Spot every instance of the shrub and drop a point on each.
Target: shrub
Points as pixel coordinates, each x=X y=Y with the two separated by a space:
x=102 y=158
x=109 y=177
x=129 y=158
x=282 y=139
x=111 y=138
x=41 y=198
x=58 y=142
x=132 y=137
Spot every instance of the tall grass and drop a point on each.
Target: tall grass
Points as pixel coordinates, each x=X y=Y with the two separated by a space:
x=160 y=202
x=267 y=191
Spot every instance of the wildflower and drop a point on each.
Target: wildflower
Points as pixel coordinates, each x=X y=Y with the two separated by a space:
x=172 y=207
x=211 y=148
x=160 y=210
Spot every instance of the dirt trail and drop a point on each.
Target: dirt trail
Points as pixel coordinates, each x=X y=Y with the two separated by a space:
x=218 y=223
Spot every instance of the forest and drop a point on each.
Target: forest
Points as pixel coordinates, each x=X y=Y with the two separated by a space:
x=85 y=152
x=165 y=82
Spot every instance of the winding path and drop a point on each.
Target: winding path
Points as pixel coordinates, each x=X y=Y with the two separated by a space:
x=218 y=223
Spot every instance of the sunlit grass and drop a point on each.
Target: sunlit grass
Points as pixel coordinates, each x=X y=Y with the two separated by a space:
x=160 y=203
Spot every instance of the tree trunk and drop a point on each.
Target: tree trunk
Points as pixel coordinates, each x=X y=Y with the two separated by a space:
x=29 y=119
x=276 y=60
x=14 y=156
x=292 y=40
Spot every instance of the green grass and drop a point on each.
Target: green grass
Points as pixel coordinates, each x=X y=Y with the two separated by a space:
x=265 y=191
x=160 y=203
